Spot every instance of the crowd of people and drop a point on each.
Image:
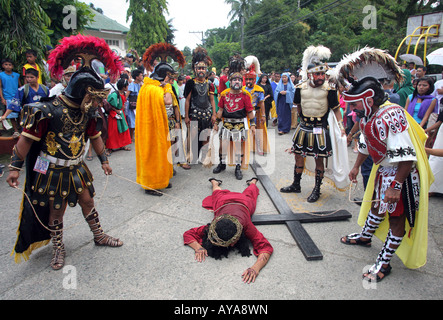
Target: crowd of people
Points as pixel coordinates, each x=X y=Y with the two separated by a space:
x=146 y=102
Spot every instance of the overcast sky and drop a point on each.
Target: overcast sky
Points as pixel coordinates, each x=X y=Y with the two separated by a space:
x=188 y=16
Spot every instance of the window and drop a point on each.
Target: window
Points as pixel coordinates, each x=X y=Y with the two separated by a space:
x=113 y=42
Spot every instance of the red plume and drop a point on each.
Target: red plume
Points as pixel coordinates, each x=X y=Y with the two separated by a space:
x=162 y=50
x=73 y=46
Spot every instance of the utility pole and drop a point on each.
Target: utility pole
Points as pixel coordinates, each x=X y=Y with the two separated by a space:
x=201 y=32
x=242 y=22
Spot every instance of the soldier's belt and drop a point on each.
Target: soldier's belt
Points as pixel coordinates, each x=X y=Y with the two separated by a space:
x=61 y=162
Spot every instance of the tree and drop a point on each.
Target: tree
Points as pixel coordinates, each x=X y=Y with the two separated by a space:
x=148 y=24
x=277 y=49
x=242 y=10
x=55 y=11
x=24 y=25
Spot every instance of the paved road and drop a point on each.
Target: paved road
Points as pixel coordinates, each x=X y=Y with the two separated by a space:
x=154 y=263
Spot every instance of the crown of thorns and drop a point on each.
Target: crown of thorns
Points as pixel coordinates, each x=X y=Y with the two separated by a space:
x=216 y=240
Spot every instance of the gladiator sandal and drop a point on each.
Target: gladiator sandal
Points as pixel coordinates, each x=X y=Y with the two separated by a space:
x=58 y=248
x=315 y=195
x=384 y=258
x=100 y=238
x=295 y=186
x=371 y=225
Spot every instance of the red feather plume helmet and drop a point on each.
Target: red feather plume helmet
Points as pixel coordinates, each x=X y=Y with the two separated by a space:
x=162 y=51
x=88 y=48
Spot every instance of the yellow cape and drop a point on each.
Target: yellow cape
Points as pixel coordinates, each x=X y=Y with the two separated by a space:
x=413 y=248
x=152 y=145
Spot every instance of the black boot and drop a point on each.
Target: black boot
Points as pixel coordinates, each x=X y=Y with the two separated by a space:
x=315 y=195
x=221 y=166
x=295 y=186
x=238 y=173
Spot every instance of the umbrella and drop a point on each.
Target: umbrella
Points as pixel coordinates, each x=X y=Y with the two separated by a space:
x=436 y=57
x=412 y=58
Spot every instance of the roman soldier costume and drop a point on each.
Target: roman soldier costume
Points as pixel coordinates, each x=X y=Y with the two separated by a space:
x=199 y=94
x=314 y=98
x=234 y=108
x=155 y=120
x=59 y=128
x=260 y=142
x=391 y=137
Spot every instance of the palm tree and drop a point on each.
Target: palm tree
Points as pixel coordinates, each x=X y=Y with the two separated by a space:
x=241 y=10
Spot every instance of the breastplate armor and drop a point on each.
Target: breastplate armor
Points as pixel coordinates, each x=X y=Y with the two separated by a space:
x=314 y=101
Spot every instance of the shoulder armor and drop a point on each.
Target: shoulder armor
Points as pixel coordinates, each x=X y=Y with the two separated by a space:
x=33 y=113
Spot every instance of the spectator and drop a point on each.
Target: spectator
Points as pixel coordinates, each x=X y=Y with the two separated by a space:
x=31 y=58
x=263 y=82
x=411 y=67
x=118 y=134
x=284 y=97
x=421 y=103
x=406 y=88
x=60 y=87
x=133 y=90
x=31 y=92
x=9 y=83
x=421 y=72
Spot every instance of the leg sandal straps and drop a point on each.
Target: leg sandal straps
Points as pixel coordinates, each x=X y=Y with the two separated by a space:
x=101 y=238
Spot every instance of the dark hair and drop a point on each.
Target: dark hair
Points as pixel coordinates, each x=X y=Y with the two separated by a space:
x=135 y=73
x=7 y=60
x=124 y=76
x=31 y=51
x=32 y=71
x=122 y=83
x=225 y=230
x=430 y=81
x=267 y=78
x=422 y=67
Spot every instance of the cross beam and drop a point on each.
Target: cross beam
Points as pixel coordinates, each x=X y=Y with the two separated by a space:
x=294 y=220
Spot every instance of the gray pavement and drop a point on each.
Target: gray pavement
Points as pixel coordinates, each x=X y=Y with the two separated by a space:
x=154 y=264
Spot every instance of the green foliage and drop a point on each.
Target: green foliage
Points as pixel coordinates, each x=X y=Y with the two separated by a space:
x=220 y=53
x=24 y=25
x=148 y=25
x=54 y=10
x=278 y=31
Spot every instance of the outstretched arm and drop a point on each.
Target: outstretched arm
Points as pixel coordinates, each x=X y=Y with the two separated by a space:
x=250 y=274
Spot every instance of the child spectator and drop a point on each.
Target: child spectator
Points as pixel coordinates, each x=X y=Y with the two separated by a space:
x=31 y=57
x=31 y=92
x=9 y=83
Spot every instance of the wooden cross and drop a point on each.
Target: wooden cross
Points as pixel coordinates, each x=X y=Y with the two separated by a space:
x=294 y=220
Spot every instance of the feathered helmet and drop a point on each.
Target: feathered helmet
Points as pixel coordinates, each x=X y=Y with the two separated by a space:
x=200 y=58
x=253 y=67
x=313 y=60
x=362 y=71
x=236 y=65
x=162 y=51
x=85 y=83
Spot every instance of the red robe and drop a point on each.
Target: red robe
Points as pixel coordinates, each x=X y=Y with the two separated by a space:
x=117 y=140
x=243 y=211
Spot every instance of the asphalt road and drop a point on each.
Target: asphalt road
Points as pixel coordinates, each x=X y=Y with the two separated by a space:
x=154 y=264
